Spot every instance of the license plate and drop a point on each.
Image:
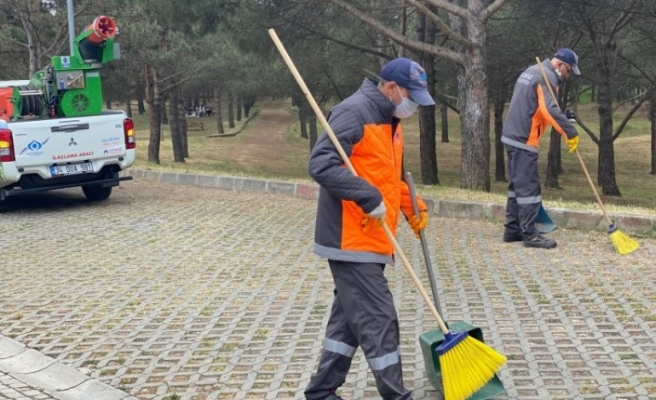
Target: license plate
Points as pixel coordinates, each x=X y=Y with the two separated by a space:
x=71 y=169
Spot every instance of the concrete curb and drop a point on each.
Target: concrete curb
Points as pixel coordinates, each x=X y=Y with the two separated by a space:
x=53 y=378
x=585 y=220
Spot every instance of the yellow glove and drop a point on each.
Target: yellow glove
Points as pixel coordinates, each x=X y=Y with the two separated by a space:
x=573 y=144
x=418 y=224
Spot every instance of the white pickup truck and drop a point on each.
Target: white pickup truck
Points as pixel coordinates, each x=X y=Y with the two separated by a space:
x=38 y=155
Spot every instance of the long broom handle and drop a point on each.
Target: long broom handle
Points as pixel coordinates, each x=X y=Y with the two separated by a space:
x=340 y=150
x=424 y=244
x=585 y=170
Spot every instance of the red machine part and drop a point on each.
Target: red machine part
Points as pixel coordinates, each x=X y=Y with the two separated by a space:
x=6 y=103
x=102 y=29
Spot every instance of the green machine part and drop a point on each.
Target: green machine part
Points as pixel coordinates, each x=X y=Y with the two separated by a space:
x=17 y=99
x=81 y=92
x=76 y=80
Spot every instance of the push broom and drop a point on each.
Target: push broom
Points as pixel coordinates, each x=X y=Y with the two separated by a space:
x=431 y=340
x=466 y=362
x=622 y=243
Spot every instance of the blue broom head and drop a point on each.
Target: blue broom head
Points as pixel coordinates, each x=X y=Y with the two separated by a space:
x=612 y=228
x=451 y=340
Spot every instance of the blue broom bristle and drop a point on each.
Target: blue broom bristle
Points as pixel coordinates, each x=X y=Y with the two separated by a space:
x=451 y=339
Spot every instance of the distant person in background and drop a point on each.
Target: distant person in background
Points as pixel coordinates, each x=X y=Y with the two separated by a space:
x=531 y=111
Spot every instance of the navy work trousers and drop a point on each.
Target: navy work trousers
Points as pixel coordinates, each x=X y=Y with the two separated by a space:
x=362 y=315
x=524 y=192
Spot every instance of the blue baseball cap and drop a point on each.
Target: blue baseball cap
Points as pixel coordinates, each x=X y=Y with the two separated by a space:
x=410 y=75
x=570 y=58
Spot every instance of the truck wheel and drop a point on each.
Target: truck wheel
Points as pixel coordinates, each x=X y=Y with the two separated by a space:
x=96 y=192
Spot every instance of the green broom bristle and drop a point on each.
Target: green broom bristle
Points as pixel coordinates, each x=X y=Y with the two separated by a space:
x=623 y=244
x=467 y=367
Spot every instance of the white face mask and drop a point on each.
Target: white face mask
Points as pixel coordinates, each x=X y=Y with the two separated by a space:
x=558 y=73
x=406 y=108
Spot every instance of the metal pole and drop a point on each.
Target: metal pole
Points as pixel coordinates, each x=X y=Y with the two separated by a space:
x=71 y=24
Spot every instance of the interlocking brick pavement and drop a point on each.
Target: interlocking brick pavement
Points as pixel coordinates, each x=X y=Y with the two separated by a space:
x=13 y=389
x=215 y=294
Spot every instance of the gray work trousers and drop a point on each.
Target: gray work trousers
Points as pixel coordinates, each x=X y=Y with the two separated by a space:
x=524 y=192
x=362 y=315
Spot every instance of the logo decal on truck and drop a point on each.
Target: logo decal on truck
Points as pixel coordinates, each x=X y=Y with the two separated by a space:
x=33 y=148
x=114 y=151
x=72 y=155
x=112 y=141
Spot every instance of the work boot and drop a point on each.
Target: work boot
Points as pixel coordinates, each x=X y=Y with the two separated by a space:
x=540 y=241
x=510 y=237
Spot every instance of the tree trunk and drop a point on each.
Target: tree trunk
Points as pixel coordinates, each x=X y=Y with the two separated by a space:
x=427 y=127
x=593 y=94
x=219 y=118
x=427 y=152
x=128 y=106
x=108 y=104
x=165 y=115
x=473 y=96
x=444 y=116
x=652 y=119
x=141 y=108
x=239 y=101
x=499 y=151
x=314 y=133
x=247 y=108
x=303 y=120
x=299 y=101
x=182 y=115
x=553 y=161
x=606 y=162
x=32 y=45
x=176 y=132
x=231 y=117
x=153 y=99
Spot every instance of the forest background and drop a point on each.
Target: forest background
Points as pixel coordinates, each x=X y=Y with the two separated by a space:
x=179 y=55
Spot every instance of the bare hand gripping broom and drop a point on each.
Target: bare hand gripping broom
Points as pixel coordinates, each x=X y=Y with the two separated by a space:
x=467 y=364
x=623 y=244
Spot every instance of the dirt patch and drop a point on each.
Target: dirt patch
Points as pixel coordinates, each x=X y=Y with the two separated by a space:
x=265 y=141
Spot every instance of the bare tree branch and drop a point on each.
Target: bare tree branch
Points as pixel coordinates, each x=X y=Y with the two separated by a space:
x=15 y=41
x=623 y=20
x=444 y=28
x=361 y=49
x=587 y=130
x=632 y=111
x=651 y=79
x=450 y=8
x=402 y=40
x=492 y=8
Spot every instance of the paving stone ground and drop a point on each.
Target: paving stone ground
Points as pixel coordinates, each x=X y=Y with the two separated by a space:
x=13 y=389
x=215 y=294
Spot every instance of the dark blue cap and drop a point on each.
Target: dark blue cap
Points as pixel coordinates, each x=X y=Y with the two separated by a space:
x=410 y=75
x=570 y=58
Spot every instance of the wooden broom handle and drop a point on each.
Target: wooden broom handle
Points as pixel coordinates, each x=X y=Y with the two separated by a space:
x=585 y=170
x=340 y=150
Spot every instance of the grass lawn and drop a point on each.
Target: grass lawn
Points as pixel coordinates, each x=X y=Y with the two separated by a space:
x=632 y=156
